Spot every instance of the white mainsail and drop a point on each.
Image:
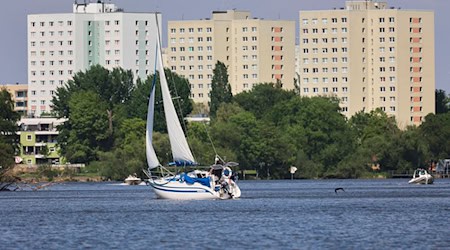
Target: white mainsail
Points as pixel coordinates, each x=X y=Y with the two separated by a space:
x=180 y=148
x=152 y=160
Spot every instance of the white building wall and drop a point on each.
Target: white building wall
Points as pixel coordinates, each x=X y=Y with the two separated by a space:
x=60 y=45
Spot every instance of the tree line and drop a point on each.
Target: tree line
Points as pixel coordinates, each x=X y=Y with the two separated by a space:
x=267 y=129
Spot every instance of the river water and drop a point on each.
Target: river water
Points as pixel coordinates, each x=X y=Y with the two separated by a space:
x=297 y=214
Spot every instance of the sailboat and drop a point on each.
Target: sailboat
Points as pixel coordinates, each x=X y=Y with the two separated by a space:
x=217 y=183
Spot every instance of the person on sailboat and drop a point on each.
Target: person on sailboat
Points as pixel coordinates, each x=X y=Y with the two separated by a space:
x=219 y=161
x=225 y=180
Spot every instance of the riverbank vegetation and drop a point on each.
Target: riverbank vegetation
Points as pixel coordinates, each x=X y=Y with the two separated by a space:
x=266 y=130
x=8 y=139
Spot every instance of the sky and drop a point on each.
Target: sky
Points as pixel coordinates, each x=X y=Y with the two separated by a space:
x=13 y=17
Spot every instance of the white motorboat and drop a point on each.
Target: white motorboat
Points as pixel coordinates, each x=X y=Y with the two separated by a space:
x=421 y=176
x=133 y=180
x=218 y=183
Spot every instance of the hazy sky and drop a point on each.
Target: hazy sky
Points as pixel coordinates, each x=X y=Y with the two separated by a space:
x=13 y=17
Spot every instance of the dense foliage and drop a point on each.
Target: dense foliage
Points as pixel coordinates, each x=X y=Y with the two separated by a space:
x=220 y=88
x=266 y=130
x=442 y=101
x=106 y=114
x=8 y=128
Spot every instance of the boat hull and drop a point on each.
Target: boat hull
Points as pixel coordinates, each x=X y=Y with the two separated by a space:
x=176 y=190
x=132 y=182
x=179 y=190
x=422 y=180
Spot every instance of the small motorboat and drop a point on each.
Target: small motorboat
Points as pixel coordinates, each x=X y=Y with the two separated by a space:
x=421 y=176
x=133 y=180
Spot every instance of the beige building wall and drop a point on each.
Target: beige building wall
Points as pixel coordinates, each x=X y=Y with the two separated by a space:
x=19 y=94
x=254 y=50
x=370 y=56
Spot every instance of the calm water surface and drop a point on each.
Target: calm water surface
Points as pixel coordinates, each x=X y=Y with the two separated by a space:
x=298 y=214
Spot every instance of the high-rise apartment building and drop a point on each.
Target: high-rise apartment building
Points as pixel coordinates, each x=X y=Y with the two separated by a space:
x=254 y=50
x=59 y=45
x=370 y=56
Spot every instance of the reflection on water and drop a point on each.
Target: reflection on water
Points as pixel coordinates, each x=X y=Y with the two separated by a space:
x=286 y=214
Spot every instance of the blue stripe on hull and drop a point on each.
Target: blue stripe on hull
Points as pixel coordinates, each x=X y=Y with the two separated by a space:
x=181 y=189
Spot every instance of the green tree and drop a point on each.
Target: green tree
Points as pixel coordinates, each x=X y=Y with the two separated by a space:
x=377 y=135
x=442 y=101
x=435 y=131
x=262 y=98
x=113 y=87
x=413 y=149
x=8 y=128
x=180 y=91
x=220 y=88
x=88 y=131
x=107 y=92
x=129 y=156
x=315 y=131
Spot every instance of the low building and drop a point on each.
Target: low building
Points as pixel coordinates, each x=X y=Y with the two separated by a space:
x=38 y=141
x=19 y=95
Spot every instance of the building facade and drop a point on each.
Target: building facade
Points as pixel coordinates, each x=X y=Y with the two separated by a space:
x=19 y=94
x=60 y=45
x=254 y=50
x=371 y=56
x=38 y=143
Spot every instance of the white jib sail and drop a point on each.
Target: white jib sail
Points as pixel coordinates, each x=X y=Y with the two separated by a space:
x=180 y=148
